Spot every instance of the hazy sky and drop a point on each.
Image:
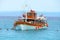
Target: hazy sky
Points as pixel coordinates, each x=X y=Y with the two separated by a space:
x=38 y=5
x=10 y=6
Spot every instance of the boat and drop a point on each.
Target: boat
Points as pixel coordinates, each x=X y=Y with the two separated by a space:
x=31 y=21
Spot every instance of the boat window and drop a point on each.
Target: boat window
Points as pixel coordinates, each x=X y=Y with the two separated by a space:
x=38 y=21
x=23 y=20
x=34 y=13
x=29 y=14
x=32 y=22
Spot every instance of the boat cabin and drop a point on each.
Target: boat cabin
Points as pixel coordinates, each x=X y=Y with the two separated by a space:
x=32 y=17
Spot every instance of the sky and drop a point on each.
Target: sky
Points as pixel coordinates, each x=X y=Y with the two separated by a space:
x=37 y=5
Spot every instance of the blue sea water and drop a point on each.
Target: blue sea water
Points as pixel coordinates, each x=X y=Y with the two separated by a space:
x=51 y=33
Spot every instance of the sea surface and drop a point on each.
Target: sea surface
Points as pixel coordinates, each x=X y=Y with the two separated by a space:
x=50 y=33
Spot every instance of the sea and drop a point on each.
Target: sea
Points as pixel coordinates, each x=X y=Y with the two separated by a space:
x=50 y=33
